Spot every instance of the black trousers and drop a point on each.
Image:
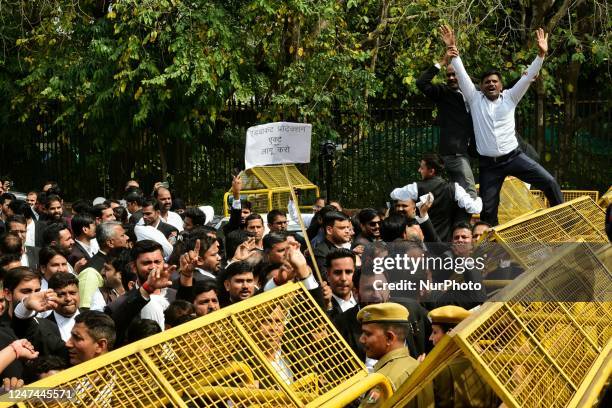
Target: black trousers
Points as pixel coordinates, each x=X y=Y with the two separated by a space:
x=493 y=171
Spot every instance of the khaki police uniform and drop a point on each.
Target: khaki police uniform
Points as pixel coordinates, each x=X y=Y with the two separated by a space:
x=396 y=365
x=458 y=385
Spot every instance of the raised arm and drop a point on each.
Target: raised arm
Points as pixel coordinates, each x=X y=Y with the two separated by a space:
x=452 y=53
x=520 y=88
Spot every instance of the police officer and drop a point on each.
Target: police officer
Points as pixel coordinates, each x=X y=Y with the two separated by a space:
x=384 y=329
x=458 y=384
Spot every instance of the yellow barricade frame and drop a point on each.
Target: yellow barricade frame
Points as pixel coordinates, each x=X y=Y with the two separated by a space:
x=167 y=368
x=532 y=353
x=270 y=184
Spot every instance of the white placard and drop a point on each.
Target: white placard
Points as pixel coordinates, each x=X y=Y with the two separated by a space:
x=277 y=143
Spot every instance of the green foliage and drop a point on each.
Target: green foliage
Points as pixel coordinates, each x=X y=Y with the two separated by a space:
x=171 y=67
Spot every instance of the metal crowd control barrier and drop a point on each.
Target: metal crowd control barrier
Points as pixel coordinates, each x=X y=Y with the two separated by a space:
x=547 y=344
x=526 y=237
x=277 y=349
x=568 y=195
x=606 y=199
x=266 y=188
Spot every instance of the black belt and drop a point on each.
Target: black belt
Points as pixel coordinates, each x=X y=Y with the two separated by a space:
x=500 y=159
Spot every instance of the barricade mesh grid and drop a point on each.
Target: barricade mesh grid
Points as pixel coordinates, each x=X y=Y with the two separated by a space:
x=568 y=195
x=277 y=349
x=539 y=341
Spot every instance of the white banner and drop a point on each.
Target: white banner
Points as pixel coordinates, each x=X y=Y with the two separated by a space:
x=277 y=143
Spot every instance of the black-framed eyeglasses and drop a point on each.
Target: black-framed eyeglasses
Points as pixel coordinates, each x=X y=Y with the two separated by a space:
x=373 y=223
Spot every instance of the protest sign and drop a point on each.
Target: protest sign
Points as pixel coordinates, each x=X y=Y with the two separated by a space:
x=277 y=143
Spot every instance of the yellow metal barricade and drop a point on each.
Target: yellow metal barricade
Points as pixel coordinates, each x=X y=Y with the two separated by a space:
x=266 y=188
x=606 y=199
x=568 y=195
x=545 y=341
x=526 y=237
x=277 y=349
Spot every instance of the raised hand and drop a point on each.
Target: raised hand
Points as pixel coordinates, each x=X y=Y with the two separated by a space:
x=160 y=278
x=542 y=40
x=448 y=36
x=236 y=186
x=245 y=249
x=188 y=260
x=41 y=301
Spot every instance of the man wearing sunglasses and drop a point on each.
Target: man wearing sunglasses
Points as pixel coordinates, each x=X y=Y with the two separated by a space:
x=456 y=130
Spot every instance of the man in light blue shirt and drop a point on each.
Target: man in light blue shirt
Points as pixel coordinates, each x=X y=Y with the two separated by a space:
x=492 y=109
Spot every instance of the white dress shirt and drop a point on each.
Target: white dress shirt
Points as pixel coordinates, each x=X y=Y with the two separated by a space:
x=31 y=234
x=143 y=232
x=65 y=324
x=494 y=125
x=154 y=310
x=345 y=304
x=174 y=219
x=463 y=199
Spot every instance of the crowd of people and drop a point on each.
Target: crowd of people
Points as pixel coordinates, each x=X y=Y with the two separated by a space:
x=80 y=282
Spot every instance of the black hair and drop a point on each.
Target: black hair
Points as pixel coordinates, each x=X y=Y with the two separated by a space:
x=331 y=217
x=20 y=207
x=97 y=209
x=99 y=326
x=236 y=268
x=273 y=238
x=233 y=241
x=434 y=162
x=7 y=196
x=47 y=253
x=60 y=280
x=134 y=197
x=10 y=243
x=80 y=221
x=366 y=215
x=13 y=277
x=251 y=217
x=204 y=285
x=151 y=202
x=273 y=214
x=51 y=198
x=6 y=259
x=19 y=219
x=121 y=214
x=142 y=328
x=490 y=72
x=338 y=254
x=144 y=247
x=176 y=310
x=197 y=216
x=393 y=227
x=461 y=225
x=82 y=207
x=33 y=369
x=177 y=204
x=52 y=232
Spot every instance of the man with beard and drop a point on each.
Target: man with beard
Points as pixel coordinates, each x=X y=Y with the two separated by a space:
x=239 y=282
x=66 y=287
x=151 y=296
x=338 y=229
x=456 y=130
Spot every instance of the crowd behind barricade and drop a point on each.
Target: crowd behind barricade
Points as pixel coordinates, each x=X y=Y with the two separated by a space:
x=79 y=283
